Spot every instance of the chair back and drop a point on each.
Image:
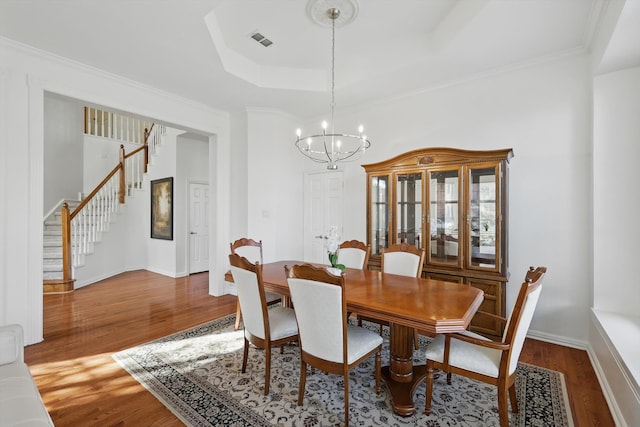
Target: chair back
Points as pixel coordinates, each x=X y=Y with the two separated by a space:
x=248 y=280
x=354 y=254
x=248 y=248
x=520 y=319
x=403 y=259
x=318 y=298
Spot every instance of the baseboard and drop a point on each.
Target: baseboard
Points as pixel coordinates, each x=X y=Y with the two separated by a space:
x=91 y=280
x=163 y=272
x=230 y=288
x=558 y=339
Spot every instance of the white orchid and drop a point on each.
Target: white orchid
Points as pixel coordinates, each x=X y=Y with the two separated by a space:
x=332 y=244
x=332 y=241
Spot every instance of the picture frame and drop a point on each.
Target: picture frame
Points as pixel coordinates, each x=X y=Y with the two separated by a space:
x=162 y=208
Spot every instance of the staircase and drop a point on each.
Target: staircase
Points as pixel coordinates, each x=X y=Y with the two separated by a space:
x=81 y=223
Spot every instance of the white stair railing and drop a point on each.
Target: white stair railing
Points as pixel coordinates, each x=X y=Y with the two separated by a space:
x=98 y=122
x=93 y=218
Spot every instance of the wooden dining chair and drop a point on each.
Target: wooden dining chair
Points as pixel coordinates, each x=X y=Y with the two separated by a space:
x=251 y=250
x=327 y=341
x=354 y=254
x=493 y=362
x=263 y=327
x=402 y=259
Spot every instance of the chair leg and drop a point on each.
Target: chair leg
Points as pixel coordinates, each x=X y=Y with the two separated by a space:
x=303 y=380
x=429 y=389
x=238 y=317
x=503 y=405
x=245 y=356
x=346 y=398
x=378 y=372
x=267 y=368
x=513 y=398
x=416 y=343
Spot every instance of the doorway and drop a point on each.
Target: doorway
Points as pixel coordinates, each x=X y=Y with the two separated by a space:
x=198 y=227
x=323 y=208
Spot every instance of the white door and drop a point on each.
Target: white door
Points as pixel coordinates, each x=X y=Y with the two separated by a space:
x=323 y=208
x=198 y=227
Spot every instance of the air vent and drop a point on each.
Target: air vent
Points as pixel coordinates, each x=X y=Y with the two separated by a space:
x=261 y=39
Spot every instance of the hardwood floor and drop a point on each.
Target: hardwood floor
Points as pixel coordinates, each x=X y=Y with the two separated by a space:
x=82 y=385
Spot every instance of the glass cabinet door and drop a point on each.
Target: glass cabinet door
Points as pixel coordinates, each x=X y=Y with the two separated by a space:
x=409 y=217
x=444 y=216
x=484 y=214
x=379 y=221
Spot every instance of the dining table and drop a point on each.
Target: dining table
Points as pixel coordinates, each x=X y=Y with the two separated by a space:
x=407 y=304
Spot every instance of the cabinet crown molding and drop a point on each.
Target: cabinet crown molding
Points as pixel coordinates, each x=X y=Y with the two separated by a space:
x=441 y=156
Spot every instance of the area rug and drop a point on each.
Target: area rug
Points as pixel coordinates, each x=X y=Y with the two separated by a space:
x=196 y=374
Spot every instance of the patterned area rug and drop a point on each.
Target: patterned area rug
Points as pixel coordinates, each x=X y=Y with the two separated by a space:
x=196 y=374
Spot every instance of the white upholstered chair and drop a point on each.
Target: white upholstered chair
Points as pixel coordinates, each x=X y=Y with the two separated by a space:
x=327 y=341
x=354 y=254
x=492 y=362
x=263 y=327
x=251 y=250
x=402 y=259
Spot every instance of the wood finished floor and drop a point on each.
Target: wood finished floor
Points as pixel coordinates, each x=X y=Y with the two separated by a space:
x=82 y=385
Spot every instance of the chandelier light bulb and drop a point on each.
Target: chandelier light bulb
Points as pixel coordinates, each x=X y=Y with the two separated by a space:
x=360 y=129
x=324 y=125
x=298 y=132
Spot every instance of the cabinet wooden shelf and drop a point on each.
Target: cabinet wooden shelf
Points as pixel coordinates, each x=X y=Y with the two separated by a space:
x=452 y=203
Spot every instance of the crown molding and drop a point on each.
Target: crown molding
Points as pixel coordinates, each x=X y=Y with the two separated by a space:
x=81 y=67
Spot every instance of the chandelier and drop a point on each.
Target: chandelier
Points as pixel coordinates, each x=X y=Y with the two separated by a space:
x=329 y=146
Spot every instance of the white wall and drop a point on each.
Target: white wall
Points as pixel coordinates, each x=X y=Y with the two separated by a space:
x=275 y=184
x=239 y=175
x=544 y=114
x=616 y=201
x=100 y=156
x=616 y=228
x=161 y=254
x=63 y=150
x=25 y=75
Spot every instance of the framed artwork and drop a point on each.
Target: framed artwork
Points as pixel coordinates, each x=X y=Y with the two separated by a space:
x=162 y=209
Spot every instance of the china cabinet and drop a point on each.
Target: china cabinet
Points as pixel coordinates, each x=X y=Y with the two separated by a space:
x=452 y=203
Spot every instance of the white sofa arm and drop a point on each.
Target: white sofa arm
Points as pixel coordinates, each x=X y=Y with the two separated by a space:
x=11 y=344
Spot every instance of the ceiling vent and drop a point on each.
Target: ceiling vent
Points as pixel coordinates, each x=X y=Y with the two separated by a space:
x=261 y=39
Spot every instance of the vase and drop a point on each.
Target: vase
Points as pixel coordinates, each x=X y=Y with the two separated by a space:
x=334 y=270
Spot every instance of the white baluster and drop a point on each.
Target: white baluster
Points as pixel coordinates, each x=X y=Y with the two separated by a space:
x=85 y=232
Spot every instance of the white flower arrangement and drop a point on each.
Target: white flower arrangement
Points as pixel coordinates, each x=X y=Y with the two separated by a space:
x=332 y=244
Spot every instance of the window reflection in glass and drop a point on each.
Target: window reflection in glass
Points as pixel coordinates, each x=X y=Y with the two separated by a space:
x=443 y=216
x=379 y=209
x=483 y=217
x=409 y=208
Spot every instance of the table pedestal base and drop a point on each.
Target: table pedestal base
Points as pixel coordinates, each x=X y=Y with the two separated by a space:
x=402 y=392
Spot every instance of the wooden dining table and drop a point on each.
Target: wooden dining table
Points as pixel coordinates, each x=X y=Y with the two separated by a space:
x=407 y=303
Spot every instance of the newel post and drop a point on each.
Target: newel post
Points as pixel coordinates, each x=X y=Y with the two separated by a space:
x=146 y=149
x=121 y=193
x=65 y=218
